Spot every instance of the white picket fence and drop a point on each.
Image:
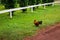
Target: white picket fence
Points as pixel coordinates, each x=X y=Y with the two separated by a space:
x=10 y=10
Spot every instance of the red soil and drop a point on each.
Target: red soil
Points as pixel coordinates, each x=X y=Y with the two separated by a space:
x=50 y=33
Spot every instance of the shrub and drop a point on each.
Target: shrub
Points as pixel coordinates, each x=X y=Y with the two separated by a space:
x=47 y=1
x=23 y=3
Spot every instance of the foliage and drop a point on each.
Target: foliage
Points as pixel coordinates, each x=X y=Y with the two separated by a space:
x=8 y=4
x=38 y=1
x=23 y=3
x=47 y=1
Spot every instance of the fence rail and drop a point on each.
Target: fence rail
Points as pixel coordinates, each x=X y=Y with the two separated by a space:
x=10 y=10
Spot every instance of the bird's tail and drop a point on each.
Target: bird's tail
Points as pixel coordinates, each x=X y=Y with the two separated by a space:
x=40 y=22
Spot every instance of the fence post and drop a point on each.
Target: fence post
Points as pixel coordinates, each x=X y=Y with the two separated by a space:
x=32 y=9
x=52 y=4
x=10 y=14
x=44 y=7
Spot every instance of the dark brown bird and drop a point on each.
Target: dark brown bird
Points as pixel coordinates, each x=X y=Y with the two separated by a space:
x=37 y=23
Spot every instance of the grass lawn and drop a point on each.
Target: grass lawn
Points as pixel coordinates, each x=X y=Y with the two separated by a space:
x=21 y=24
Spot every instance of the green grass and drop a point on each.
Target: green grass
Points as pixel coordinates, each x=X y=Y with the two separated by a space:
x=21 y=24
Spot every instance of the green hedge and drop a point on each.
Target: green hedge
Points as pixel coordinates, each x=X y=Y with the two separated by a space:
x=23 y=3
x=47 y=1
x=9 y=4
x=31 y=2
x=38 y=1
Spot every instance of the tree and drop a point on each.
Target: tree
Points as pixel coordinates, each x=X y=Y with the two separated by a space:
x=9 y=4
x=32 y=2
x=38 y=1
x=44 y=1
x=50 y=0
x=0 y=1
x=47 y=1
x=23 y=3
x=3 y=2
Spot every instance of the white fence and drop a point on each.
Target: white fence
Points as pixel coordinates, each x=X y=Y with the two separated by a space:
x=10 y=10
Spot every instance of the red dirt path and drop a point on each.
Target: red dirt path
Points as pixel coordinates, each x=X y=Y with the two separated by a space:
x=50 y=33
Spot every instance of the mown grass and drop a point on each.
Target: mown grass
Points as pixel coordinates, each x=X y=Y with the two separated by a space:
x=21 y=24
